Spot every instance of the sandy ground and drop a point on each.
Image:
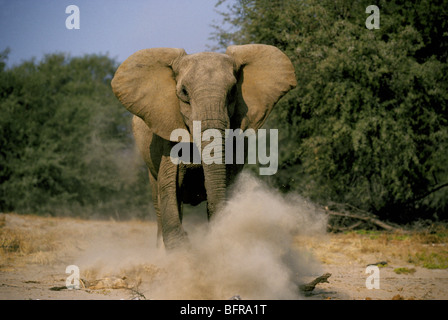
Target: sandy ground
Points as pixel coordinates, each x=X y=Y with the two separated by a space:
x=114 y=263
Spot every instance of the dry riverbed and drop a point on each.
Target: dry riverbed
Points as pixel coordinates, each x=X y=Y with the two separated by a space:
x=117 y=260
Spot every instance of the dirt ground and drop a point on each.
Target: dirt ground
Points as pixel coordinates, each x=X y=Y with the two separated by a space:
x=111 y=256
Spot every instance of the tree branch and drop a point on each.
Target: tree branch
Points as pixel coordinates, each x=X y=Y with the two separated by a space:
x=443 y=185
x=366 y=218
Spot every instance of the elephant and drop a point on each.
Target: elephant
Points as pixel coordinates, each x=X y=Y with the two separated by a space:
x=167 y=89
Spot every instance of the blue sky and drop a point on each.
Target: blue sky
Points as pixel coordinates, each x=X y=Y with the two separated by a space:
x=32 y=28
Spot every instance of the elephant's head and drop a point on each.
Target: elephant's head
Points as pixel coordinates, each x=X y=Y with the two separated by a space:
x=169 y=90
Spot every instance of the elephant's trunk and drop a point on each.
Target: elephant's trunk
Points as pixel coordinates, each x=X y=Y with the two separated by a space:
x=215 y=173
x=215 y=178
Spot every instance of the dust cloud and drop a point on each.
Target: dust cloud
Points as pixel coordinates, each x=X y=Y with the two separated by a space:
x=247 y=250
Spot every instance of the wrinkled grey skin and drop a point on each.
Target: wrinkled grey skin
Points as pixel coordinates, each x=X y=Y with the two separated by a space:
x=221 y=91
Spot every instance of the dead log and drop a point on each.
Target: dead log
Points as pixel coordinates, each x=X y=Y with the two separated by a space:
x=363 y=218
x=307 y=288
x=366 y=218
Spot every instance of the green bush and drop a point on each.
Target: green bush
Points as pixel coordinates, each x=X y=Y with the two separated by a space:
x=66 y=145
x=367 y=124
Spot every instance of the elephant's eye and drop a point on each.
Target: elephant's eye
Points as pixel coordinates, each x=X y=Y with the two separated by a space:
x=183 y=95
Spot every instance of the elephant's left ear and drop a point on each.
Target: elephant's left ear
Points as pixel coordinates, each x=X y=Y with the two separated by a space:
x=265 y=74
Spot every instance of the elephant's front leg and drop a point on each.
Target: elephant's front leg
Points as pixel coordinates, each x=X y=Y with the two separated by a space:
x=172 y=231
x=155 y=201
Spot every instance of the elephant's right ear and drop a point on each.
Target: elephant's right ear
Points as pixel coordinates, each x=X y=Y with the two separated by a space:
x=144 y=83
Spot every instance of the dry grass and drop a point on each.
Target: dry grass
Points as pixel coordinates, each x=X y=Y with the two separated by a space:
x=26 y=243
x=36 y=247
x=427 y=249
x=32 y=239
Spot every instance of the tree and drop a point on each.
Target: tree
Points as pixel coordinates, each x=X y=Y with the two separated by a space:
x=367 y=124
x=66 y=146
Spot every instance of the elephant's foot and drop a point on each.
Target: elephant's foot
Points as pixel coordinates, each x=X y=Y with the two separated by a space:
x=176 y=240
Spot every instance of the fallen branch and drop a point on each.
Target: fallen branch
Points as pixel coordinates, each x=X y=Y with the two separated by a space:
x=366 y=218
x=351 y=227
x=378 y=264
x=307 y=288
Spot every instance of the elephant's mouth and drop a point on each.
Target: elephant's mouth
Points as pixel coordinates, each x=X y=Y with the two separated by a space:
x=193 y=189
